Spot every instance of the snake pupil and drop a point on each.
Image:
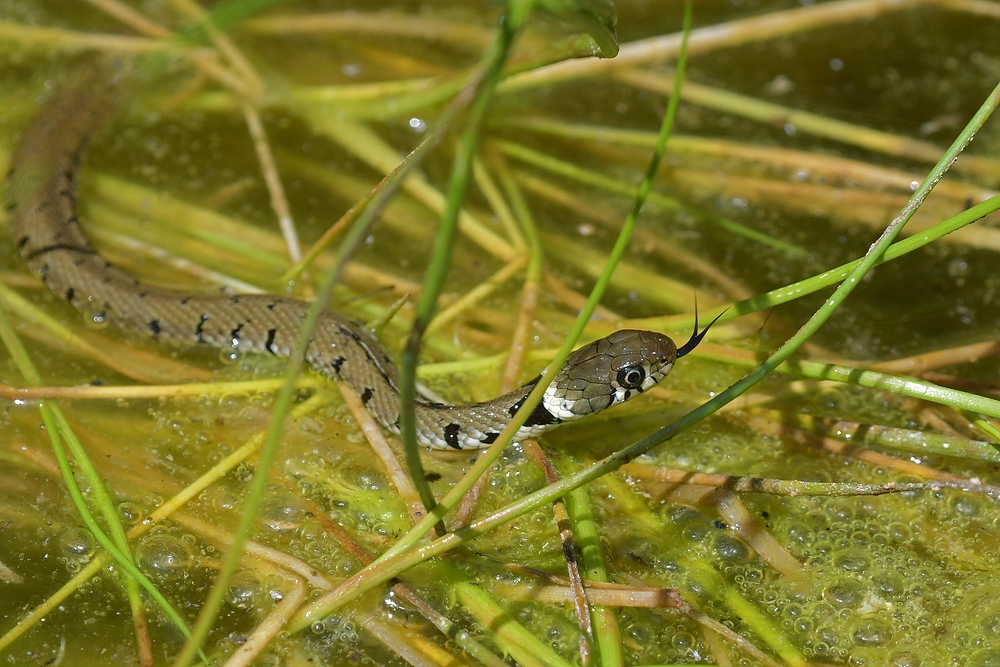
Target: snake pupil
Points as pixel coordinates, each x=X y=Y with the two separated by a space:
x=631 y=377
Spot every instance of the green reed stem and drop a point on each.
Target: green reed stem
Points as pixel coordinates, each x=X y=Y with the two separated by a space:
x=357 y=233
x=452 y=577
x=282 y=404
x=986 y=427
x=869 y=435
x=905 y=386
x=59 y=431
x=709 y=579
x=506 y=632
x=607 y=633
x=590 y=177
x=833 y=276
x=258 y=486
x=536 y=258
x=458 y=185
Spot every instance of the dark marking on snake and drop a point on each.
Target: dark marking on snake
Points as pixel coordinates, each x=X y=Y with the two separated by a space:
x=451 y=432
x=538 y=417
x=337 y=364
x=34 y=254
x=541 y=417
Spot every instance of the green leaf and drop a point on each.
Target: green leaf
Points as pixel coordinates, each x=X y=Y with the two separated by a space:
x=597 y=18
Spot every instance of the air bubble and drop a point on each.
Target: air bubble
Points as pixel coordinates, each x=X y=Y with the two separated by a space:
x=130 y=512
x=695 y=533
x=165 y=556
x=684 y=641
x=872 y=632
x=965 y=507
x=904 y=659
x=958 y=267
x=96 y=316
x=990 y=623
x=244 y=590
x=846 y=594
x=77 y=544
x=800 y=533
x=226 y=500
x=230 y=355
x=731 y=550
x=853 y=560
x=805 y=625
x=890 y=585
x=282 y=511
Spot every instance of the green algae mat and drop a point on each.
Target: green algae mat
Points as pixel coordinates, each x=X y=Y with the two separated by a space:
x=487 y=186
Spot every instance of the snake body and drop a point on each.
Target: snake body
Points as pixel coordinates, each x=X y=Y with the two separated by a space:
x=41 y=208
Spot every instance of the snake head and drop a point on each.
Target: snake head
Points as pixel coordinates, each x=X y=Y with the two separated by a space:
x=609 y=371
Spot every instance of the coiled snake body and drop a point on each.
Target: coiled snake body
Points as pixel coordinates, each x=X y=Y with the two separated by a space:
x=42 y=210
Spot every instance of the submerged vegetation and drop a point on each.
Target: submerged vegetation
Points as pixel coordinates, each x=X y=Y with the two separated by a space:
x=814 y=484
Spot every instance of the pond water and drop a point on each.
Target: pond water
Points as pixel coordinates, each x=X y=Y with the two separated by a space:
x=803 y=129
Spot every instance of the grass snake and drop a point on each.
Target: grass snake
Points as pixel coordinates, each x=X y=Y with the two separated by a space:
x=41 y=206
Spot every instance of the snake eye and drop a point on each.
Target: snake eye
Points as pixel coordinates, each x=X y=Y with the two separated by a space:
x=631 y=377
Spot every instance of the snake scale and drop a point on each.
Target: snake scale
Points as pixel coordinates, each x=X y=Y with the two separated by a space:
x=41 y=207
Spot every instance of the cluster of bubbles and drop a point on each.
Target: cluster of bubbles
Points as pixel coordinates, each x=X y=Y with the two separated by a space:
x=340 y=641
x=900 y=580
x=874 y=592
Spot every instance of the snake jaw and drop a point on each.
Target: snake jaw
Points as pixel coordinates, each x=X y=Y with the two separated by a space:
x=561 y=408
